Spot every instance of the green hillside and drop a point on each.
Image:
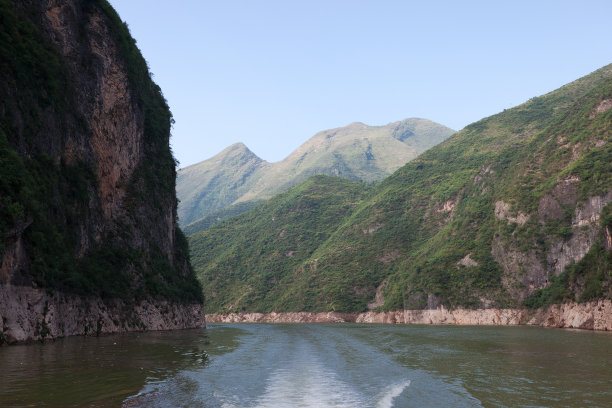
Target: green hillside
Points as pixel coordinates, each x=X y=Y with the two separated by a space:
x=277 y=237
x=510 y=210
x=354 y=152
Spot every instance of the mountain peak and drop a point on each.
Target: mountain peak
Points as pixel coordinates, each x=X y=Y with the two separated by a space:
x=356 y=125
x=233 y=152
x=238 y=146
x=356 y=151
x=236 y=149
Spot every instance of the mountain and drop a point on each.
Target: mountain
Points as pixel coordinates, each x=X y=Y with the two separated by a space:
x=90 y=242
x=216 y=183
x=513 y=210
x=355 y=152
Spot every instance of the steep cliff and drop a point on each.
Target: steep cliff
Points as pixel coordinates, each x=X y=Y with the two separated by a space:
x=87 y=181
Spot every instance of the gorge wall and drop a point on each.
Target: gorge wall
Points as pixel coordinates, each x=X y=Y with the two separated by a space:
x=88 y=211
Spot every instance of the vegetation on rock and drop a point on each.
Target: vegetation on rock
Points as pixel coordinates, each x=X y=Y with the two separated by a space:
x=55 y=233
x=505 y=212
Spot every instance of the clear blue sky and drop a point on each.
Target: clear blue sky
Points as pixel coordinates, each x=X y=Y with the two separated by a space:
x=273 y=73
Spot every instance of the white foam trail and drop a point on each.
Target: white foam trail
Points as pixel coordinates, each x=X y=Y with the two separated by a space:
x=390 y=393
x=309 y=386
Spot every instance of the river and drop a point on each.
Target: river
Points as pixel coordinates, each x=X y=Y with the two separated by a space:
x=314 y=365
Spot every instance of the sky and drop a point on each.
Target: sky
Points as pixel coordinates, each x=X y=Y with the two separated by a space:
x=271 y=74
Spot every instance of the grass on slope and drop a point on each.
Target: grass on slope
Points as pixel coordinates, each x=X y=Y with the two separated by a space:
x=428 y=234
x=248 y=260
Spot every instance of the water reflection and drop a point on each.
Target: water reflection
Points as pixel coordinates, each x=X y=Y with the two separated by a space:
x=377 y=366
x=99 y=371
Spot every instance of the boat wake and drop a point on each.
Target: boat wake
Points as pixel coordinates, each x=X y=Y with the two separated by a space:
x=313 y=386
x=391 y=393
x=304 y=367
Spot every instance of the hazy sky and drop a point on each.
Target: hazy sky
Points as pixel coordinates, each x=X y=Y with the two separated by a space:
x=273 y=73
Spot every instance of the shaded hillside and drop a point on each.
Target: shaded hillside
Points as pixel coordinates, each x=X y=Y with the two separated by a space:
x=277 y=237
x=87 y=197
x=354 y=152
x=507 y=211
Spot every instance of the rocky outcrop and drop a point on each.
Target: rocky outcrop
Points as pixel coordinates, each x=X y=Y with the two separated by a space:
x=30 y=314
x=585 y=231
x=526 y=270
x=588 y=316
x=502 y=212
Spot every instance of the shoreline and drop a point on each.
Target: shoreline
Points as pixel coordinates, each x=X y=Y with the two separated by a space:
x=30 y=314
x=595 y=315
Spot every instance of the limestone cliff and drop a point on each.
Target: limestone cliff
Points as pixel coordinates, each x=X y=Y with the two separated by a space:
x=87 y=182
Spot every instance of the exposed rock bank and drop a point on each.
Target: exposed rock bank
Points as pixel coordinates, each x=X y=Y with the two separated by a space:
x=589 y=316
x=30 y=314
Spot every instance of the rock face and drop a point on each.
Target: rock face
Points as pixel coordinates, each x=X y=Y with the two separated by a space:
x=589 y=316
x=31 y=314
x=89 y=205
x=525 y=271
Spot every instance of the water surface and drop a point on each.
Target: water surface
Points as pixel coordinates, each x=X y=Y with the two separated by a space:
x=319 y=365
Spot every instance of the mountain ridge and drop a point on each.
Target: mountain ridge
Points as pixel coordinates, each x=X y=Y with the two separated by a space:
x=356 y=151
x=512 y=210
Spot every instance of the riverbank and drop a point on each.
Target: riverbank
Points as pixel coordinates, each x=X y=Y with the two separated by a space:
x=588 y=316
x=30 y=314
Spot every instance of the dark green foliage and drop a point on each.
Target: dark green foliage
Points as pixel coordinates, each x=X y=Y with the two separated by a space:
x=29 y=61
x=47 y=201
x=276 y=237
x=13 y=191
x=181 y=279
x=29 y=205
x=557 y=292
x=104 y=273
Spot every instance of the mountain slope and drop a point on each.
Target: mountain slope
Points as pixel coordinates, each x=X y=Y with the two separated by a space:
x=277 y=237
x=87 y=199
x=218 y=182
x=355 y=152
x=507 y=211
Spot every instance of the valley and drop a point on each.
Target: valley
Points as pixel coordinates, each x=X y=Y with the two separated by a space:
x=512 y=211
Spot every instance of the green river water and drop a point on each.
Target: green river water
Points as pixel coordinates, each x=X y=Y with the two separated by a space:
x=314 y=365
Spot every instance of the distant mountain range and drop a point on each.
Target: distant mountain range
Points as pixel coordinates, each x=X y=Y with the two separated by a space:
x=355 y=152
x=513 y=210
